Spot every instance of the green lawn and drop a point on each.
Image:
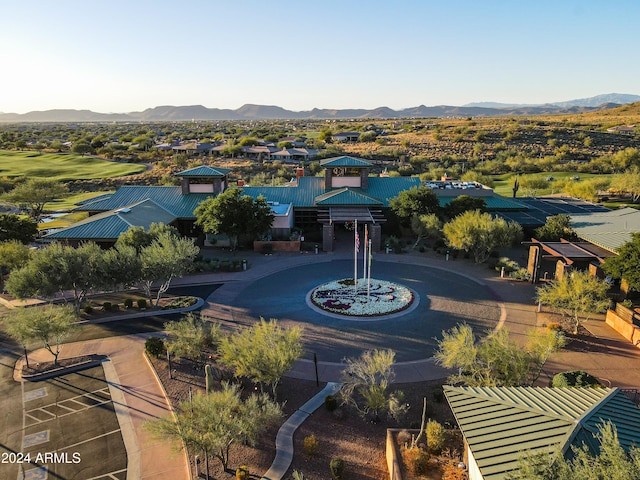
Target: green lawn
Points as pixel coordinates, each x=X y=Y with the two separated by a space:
x=503 y=184
x=62 y=167
x=69 y=203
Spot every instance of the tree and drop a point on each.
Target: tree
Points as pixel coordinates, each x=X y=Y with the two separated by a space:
x=415 y=201
x=577 y=295
x=120 y=267
x=496 y=360
x=167 y=257
x=611 y=462
x=366 y=381
x=15 y=227
x=58 y=269
x=626 y=265
x=212 y=423
x=189 y=336
x=555 y=228
x=530 y=185
x=628 y=183
x=233 y=214
x=138 y=237
x=49 y=324
x=426 y=226
x=464 y=203
x=34 y=193
x=479 y=233
x=13 y=254
x=263 y=352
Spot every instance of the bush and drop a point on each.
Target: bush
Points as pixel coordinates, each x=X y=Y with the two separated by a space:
x=267 y=248
x=337 y=468
x=242 y=473
x=154 y=346
x=310 y=445
x=575 y=378
x=142 y=303
x=554 y=326
x=416 y=460
x=106 y=306
x=435 y=436
x=404 y=437
x=128 y=303
x=88 y=309
x=520 y=274
x=330 y=402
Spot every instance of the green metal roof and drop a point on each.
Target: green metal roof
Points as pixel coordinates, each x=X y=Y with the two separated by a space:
x=346 y=196
x=387 y=188
x=609 y=230
x=344 y=161
x=302 y=195
x=170 y=198
x=500 y=424
x=109 y=225
x=493 y=202
x=204 y=171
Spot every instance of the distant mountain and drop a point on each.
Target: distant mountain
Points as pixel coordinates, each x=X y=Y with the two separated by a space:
x=264 y=112
x=598 y=100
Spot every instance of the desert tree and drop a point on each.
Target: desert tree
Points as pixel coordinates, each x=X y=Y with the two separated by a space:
x=479 y=233
x=190 y=336
x=13 y=254
x=49 y=324
x=34 y=193
x=495 y=360
x=425 y=226
x=366 y=382
x=415 y=201
x=555 y=228
x=263 y=352
x=15 y=227
x=577 y=295
x=211 y=423
x=626 y=265
x=464 y=203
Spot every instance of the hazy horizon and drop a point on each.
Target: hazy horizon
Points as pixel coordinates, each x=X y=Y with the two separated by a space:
x=130 y=56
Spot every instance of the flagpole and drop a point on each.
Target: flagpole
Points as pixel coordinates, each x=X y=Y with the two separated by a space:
x=364 y=257
x=355 y=257
x=369 y=272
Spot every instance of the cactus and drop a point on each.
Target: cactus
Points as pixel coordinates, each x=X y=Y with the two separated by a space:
x=209 y=377
x=516 y=187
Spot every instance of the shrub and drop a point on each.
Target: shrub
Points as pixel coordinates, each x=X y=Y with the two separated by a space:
x=337 y=468
x=142 y=303
x=106 y=306
x=520 y=274
x=575 y=378
x=128 y=303
x=267 y=248
x=154 y=346
x=435 y=436
x=416 y=460
x=330 y=402
x=404 y=437
x=554 y=326
x=242 y=473
x=115 y=307
x=88 y=309
x=310 y=445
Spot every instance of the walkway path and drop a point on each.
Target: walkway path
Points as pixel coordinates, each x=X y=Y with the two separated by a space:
x=284 y=438
x=137 y=396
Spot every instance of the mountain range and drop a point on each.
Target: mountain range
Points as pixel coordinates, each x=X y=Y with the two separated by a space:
x=266 y=112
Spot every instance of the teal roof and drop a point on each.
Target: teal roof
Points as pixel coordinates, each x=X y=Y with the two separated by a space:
x=609 y=230
x=387 y=188
x=170 y=198
x=344 y=161
x=204 y=171
x=493 y=202
x=109 y=225
x=501 y=424
x=302 y=195
x=346 y=196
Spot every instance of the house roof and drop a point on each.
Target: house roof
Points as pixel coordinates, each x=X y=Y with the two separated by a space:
x=170 y=198
x=346 y=196
x=204 y=171
x=501 y=424
x=493 y=202
x=109 y=225
x=610 y=229
x=344 y=161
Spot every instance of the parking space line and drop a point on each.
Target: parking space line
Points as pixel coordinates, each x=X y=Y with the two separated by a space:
x=111 y=475
x=89 y=440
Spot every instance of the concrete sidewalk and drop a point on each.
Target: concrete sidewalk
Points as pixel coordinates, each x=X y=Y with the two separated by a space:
x=137 y=396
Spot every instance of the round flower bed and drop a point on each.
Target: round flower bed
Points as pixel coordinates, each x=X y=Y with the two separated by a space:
x=341 y=297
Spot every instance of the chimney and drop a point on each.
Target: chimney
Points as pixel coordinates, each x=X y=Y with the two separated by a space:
x=299 y=173
x=241 y=183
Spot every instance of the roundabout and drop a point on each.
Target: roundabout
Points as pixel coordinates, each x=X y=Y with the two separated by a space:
x=442 y=299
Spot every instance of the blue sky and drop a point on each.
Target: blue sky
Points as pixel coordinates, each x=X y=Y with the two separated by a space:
x=122 y=56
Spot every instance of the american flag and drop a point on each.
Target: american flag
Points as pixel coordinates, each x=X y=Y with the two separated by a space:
x=357 y=242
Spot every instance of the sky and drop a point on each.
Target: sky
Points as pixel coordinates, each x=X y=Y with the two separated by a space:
x=129 y=55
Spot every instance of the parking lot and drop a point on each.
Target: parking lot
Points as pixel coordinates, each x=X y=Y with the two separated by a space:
x=70 y=430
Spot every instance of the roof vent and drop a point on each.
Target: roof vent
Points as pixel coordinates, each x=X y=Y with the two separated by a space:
x=124 y=210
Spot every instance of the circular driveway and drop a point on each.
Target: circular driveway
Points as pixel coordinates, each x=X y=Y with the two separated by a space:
x=446 y=299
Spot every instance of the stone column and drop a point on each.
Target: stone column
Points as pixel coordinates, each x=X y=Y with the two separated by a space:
x=327 y=237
